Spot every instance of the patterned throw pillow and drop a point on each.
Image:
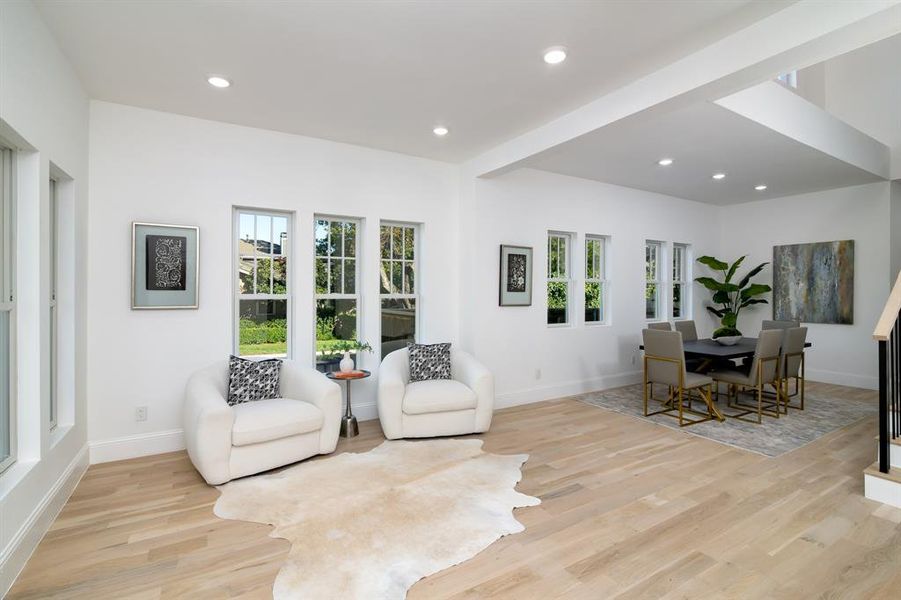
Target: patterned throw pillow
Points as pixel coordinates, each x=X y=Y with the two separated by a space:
x=250 y=380
x=429 y=361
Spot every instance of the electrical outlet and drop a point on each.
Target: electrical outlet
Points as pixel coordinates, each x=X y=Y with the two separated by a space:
x=537 y=373
x=141 y=413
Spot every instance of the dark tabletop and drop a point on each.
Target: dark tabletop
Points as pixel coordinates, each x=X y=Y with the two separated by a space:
x=711 y=349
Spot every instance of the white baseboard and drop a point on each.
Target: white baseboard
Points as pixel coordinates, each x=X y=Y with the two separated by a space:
x=133 y=446
x=839 y=378
x=30 y=533
x=561 y=390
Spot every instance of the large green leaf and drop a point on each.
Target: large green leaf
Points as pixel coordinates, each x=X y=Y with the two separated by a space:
x=715 y=311
x=729 y=319
x=734 y=268
x=716 y=286
x=721 y=297
x=744 y=280
x=755 y=289
x=713 y=263
x=754 y=301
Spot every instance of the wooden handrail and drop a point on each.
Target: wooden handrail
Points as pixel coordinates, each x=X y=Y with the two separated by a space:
x=889 y=313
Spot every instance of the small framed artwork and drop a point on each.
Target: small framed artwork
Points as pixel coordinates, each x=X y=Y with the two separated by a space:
x=515 y=276
x=164 y=266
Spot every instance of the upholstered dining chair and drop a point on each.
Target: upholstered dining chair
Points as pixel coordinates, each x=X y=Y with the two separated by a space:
x=792 y=365
x=687 y=329
x=661 y=326
x=764 y=371
x=664 y=363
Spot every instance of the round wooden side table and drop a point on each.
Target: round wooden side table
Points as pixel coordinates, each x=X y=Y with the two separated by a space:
x=349 y=426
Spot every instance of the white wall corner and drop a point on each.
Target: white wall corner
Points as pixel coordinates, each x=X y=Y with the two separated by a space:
x=20 y=548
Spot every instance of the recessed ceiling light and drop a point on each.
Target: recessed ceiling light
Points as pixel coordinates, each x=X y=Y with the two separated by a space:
x=555 y=55
x=719 y=176
x=760 y=187
x=219 y=82
x=440 y=131
x=665 y=162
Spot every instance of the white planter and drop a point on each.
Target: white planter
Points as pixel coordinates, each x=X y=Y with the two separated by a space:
x=347 y=363
x=726 y=340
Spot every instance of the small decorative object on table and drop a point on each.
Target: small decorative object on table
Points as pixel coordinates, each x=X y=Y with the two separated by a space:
x=731 y=297
x=347 y=363
x=349 y=426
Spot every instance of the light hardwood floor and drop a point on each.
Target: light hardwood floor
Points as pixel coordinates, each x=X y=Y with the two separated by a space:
x=629 y=510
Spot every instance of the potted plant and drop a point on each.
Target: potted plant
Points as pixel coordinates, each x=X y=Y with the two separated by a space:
x=346 y=346
x=731 y=297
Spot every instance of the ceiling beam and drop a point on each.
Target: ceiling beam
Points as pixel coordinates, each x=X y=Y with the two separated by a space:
x=798 y=36
x=787 y=113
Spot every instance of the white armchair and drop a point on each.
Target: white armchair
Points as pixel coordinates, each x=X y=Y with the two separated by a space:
x=457 y=406
x=226 y=442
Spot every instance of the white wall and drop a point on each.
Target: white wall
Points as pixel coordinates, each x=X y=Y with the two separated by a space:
x=44 y=115
x=164 y=168
x=519 y=208
x=844 y=354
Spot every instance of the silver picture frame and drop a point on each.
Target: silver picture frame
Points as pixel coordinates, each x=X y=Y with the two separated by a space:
x=515 y=276
x=184 y=294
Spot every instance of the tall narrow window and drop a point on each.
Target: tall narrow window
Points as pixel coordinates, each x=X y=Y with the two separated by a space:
x=681 y=282
x=652 y=280
x=7 y=307
x=263 y=299
x=595 y=279
x=53 y=341
x=558 y=282
x=398 y=284
x=337 y=255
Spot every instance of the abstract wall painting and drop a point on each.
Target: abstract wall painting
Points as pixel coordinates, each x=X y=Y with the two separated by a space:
x=164 y=266
x=814 y=283
x=515 y=276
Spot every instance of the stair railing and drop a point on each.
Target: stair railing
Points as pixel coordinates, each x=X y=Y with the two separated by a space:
x=888 y=336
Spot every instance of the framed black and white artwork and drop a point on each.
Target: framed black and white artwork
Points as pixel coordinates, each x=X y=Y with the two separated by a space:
x=164 y=266
x=515 y=276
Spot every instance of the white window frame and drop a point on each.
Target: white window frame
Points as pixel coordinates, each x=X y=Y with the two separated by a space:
x=416 y=295
x=357 y=257
x=53 y=249
x=654 y=279
x=602 y=278
x=237 y=296
x=556 y=276
x=681 y=275
x=7 y=284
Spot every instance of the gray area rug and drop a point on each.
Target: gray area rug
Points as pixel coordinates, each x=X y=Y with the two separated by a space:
x=823 y=414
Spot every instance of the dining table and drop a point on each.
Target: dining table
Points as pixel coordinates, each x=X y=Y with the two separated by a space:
x=709 y=350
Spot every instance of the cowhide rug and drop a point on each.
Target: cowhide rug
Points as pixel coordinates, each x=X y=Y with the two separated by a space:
x=370 y=525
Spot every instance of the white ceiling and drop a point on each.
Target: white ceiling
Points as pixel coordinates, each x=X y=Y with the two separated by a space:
x=701 y=139
x=382 y=73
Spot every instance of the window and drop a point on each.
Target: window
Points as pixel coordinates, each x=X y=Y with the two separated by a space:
x=337 y=251
x=596 y=279
x=789 y=79
x=7 y=307
x=652 y=281
x=558 y=283
x=53 y=341
x=263 y=300
x=398 y=281
x=681 y=282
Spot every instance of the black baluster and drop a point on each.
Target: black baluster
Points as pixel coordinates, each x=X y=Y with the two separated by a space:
x=883 y=408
